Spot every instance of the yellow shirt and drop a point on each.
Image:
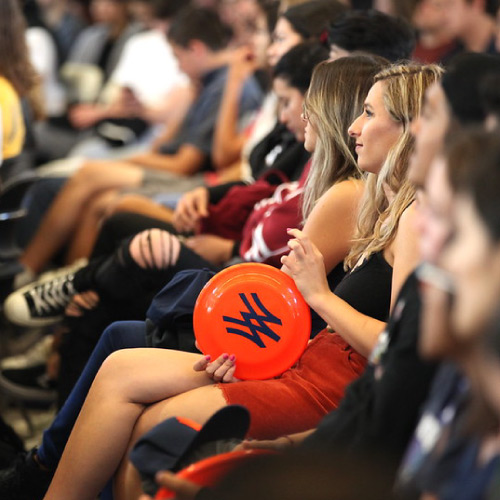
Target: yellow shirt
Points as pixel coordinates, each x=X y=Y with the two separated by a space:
x=13 y=130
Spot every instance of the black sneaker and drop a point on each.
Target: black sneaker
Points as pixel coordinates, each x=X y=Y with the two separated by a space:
x=24 y=480
x=29 y=384
x=40 y=303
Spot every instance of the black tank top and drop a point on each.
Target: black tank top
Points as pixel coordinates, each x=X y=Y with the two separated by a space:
x=368 y=287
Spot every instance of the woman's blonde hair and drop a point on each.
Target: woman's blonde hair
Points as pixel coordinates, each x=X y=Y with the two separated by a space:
x=404 y=87
x=334 y=99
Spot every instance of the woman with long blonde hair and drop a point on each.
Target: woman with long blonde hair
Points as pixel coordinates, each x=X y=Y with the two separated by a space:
x=119 y=409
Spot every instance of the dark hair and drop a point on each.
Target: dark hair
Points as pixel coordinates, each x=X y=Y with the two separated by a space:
x=461 y=83
x=490 y=7
x=167 y=9
x=373 y=32
x=489 y=92
x=203 y=24
x=311 y=19
x=15 y=64
x=296 y=66
x=270 y=9
x=475 y=157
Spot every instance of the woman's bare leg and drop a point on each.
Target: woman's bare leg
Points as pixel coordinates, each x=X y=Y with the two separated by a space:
x=127 y=381
x=86 y=232
x=198 y=405
x=62 y=217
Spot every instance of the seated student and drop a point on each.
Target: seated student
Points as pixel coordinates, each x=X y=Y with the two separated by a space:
x=98 y=46
x=63 y=22
x=472 y=260
x=425 y=468
x=378 y=132
x=373 y=32
x=18 y=81
x=142 y=94
x=44 y=55
x=437 y=32
x=324 y=98
x=200 y=47
x=436 y=464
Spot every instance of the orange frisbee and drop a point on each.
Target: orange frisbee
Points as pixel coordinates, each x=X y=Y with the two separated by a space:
x=209 y=471
x=255 y=312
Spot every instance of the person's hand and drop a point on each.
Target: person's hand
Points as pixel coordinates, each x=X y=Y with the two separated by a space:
x=183 y=489
x=242 y=65
x=305 y=265
x=82 y=302
x=84 y=116
x=213 y=248
x=220 y=370
x=192 y=207
x=278 y=444
x=126 y=105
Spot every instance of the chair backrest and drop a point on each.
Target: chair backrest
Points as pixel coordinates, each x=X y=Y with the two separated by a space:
x=12 y=192
x=12 y=195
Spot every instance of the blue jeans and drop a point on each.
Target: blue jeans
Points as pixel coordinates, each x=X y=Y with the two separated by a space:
x=119 y=335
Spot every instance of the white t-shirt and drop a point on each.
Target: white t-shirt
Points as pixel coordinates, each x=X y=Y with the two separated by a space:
x=43 y=56
x=149 y=67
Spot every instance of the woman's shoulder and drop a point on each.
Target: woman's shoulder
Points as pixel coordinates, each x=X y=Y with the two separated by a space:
x=347 y=188
x=407 y=219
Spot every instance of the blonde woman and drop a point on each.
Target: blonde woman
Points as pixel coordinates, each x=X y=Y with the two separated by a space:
x=119 y=409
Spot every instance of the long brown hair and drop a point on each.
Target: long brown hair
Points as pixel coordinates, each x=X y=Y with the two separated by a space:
x=334 y=99
x=15 y=64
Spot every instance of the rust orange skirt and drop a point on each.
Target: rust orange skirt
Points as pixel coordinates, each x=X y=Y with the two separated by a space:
x=296 y=400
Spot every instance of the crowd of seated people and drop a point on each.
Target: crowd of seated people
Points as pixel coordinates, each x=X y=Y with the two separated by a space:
x=353 y=146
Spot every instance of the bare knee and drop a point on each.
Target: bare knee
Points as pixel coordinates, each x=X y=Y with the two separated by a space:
x=155 y=249
x=112 y=377
x=86 y=179
x=102 y=205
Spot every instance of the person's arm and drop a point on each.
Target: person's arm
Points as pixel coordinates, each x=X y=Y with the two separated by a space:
x=404 y=251
x=187 y=161
x=306 y=266
x=173 y=108
x=338 y=207
x=228 y=141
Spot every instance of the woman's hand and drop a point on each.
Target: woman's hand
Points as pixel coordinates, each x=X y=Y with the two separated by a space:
x=183 y=489
x=192 y=207
x=278 y=444
x=220 y=370
x=243 y=64
x=305 y=265
x=81 y=302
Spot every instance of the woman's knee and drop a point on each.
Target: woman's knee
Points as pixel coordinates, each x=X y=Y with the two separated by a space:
x=86 y=178
x=155 y=249
x=110 y=378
